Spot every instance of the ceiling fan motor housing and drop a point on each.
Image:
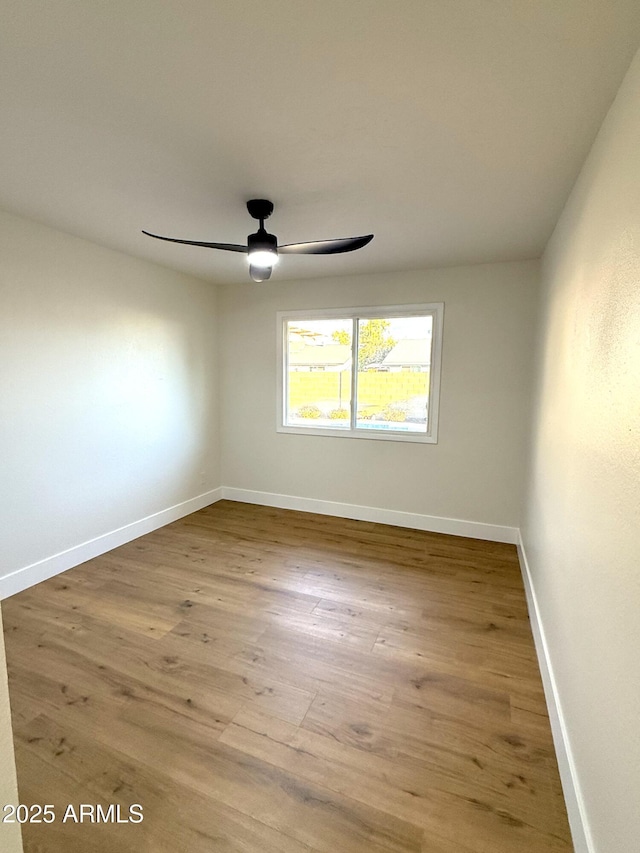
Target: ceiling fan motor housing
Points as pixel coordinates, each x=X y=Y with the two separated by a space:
x=262 y=241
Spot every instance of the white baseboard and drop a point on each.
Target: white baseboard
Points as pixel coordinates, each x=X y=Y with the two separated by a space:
x=35 y=573
x=432 y=523
x=581 y=835
x=27 y=576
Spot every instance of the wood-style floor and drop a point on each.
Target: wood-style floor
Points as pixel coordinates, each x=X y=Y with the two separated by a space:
x=265 y=681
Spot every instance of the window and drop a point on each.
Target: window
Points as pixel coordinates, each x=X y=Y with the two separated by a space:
x=361 y=372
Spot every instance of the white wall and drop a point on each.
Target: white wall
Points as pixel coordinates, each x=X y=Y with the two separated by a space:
x=10 y=836
x=582 y=525
x=475 y=472
x=108 y=392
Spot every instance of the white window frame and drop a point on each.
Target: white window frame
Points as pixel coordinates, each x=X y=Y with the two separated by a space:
x=435 y=310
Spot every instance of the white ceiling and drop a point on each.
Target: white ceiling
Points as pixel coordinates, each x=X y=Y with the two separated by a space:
x=452 y=129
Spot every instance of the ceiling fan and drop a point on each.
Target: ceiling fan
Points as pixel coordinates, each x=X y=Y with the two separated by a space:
x=262 y=247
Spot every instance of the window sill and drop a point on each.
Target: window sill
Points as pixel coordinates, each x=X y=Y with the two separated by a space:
x=371 y=434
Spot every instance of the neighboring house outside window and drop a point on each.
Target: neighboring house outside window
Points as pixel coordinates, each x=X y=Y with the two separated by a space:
x=392 y=393
x=314 y=357
x=408 y=354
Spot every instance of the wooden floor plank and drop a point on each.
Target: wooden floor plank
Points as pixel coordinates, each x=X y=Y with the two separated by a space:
x=266 y=680
x=79 y=769
x=459 y=810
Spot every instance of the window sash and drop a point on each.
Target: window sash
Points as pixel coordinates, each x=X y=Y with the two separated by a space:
x=355 y=342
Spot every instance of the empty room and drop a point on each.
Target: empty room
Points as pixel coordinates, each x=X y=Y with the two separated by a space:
x=320 y=426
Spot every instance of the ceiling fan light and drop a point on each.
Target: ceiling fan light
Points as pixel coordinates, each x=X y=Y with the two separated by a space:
x=263 y=258
x=260 y=273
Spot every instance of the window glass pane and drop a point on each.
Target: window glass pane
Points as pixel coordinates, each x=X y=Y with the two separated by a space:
x=394 y=360
x=319 y=373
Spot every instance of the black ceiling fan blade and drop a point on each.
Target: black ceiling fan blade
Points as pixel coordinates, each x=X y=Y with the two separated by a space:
x=228 y=247
x=260 y=273
x=326 y=247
